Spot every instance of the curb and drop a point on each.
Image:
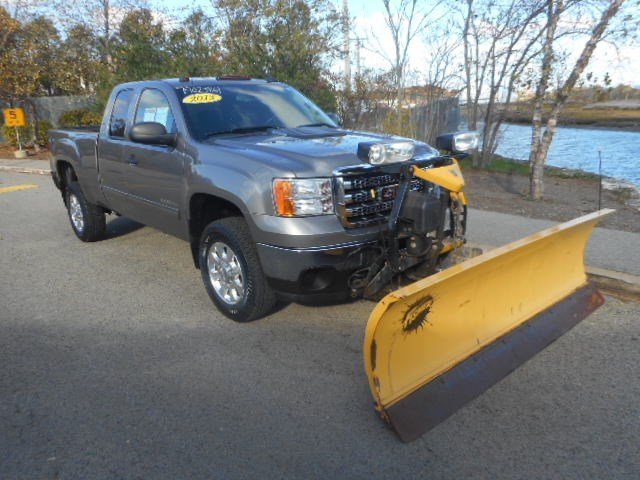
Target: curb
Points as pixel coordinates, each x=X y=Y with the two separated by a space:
x=618 y=284
x=34 y=171
x=624 y=286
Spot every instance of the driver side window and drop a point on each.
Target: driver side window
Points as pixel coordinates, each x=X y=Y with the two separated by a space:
x=154 y=107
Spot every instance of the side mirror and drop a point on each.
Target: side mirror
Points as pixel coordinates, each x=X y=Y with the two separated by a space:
x=458 y=142
x=335 y=118
x=152 y=133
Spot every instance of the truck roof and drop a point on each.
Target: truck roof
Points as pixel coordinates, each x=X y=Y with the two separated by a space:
x=196 y=81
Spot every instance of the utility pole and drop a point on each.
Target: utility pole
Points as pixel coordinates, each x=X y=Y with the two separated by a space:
x=347 y=56
x=358 y=45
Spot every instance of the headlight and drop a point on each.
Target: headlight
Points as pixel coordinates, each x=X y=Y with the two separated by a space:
x=464 y=142
x=458 y=142
x=299 y=197
x=384 y=153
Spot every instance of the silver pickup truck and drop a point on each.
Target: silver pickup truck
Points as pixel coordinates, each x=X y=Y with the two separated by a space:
x=275 y=199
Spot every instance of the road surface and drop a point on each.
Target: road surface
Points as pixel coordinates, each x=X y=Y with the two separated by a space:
x=116 y=365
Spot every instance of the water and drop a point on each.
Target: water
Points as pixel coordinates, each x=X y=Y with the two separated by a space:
x=577 y=148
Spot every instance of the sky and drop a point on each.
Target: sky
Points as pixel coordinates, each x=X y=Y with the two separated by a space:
x=622 y=64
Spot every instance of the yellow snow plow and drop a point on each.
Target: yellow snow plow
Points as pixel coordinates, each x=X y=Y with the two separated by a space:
x=436 y=344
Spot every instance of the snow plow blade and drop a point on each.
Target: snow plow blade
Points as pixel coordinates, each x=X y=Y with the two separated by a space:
x=436 y=344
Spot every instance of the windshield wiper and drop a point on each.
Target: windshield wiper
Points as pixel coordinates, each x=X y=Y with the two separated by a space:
x=320 y=124
x=261 y=128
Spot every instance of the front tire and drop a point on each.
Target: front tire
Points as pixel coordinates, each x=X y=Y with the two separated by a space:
x=87 y=220
x=231 y=271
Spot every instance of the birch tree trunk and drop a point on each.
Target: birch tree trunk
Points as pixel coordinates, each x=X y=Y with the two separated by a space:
x=471 y=118
x=540 y=142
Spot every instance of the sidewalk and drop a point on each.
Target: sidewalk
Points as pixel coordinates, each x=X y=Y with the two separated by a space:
x=40 y=167
x=608 y=249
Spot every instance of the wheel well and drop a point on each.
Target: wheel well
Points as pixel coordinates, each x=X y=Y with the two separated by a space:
x=66 y=174
x=204 y=209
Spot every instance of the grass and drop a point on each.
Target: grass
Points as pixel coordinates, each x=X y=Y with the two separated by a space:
x=623 y=195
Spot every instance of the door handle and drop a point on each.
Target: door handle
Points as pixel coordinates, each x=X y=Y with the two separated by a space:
x=132 y=160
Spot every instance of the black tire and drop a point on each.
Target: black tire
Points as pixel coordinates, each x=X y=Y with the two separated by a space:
x=257 y=299
x=93 y=219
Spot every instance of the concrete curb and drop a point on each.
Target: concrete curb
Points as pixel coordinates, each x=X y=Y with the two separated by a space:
x=617 y=284
x=34 y=171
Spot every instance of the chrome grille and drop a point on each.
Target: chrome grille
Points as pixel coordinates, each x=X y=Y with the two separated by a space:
x=367 y=199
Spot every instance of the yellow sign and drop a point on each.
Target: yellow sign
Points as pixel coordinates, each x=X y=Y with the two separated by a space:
x=14 y=117
x=202 y=98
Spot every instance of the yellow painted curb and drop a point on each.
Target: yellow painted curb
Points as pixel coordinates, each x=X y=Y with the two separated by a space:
x=16 y=188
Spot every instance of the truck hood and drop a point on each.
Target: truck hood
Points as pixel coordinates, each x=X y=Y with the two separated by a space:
x=309 y=151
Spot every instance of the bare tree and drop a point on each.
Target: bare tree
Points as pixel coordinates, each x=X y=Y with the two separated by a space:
x=541 y=141
x=499 y=39
x=441 y=79
x=469 y=63
x=405 y=20
x=100 y=16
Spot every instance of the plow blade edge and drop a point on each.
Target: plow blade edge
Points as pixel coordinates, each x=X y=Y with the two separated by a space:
x=438 y=343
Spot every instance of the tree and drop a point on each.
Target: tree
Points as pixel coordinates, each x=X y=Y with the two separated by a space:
x=28 y=57
x=39 y=54
x=290 y=40
x=353 y=103
x=139 y=48
x=28 y=62
x=9 y=33
x=100 y=17
x=441 y=81
x=500 y=40
x=79 y=61
x=541 y=140
x=194 y=47
x=404 y=20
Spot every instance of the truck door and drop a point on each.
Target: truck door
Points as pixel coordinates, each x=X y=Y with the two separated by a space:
x=112 y=165
x=156 y=172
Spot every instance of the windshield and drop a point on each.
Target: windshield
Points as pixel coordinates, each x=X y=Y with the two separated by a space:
x=238 y=108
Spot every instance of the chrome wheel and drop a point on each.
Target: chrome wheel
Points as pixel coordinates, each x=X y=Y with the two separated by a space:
x=225 y=273
x=75 y=212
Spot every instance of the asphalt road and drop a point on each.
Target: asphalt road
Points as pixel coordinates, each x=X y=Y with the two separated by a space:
x=114 y=364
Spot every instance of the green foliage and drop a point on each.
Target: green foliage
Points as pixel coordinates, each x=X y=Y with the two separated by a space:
x=398 y=123
x=500 y=164
x=79 y=61
x=42 y=137
x=139 y=53
x=194 y=49
x=79 y=118
x=292 y=41
x=9 y=135
x=26 y=134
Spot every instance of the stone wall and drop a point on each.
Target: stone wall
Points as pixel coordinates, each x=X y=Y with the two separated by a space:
x=50 y=108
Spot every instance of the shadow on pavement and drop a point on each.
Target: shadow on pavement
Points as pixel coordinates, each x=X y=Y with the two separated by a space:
x=121 y=226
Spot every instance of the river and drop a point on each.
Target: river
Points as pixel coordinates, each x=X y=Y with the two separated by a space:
x=577 y=148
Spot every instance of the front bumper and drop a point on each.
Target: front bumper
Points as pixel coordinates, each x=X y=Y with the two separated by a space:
x=313 y=273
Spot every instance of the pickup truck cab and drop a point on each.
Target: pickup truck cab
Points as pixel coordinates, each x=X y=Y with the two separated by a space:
x=274 y=198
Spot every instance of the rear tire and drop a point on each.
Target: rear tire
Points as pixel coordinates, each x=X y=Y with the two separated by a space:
x=231 y=271
x=87 y=220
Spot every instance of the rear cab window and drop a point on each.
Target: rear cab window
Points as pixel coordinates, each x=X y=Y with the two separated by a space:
x=118 y=121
